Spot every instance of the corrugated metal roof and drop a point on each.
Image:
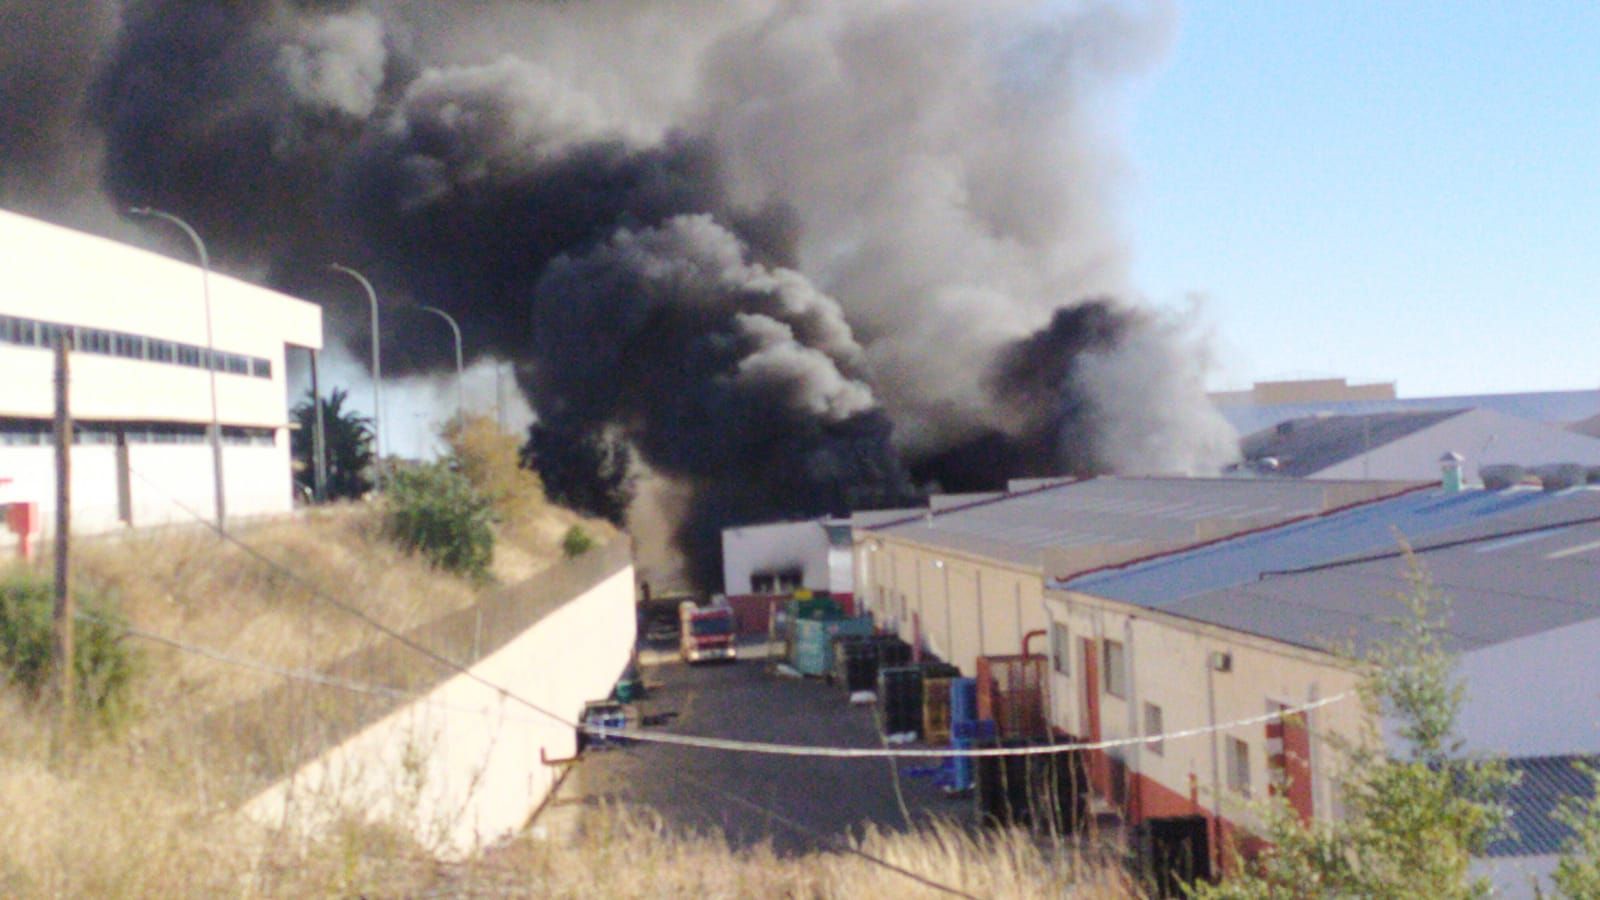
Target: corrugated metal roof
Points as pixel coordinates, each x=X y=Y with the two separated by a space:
x=1499 y=588
x=1543 y=782
x=1019 y=527
x=1306 y=446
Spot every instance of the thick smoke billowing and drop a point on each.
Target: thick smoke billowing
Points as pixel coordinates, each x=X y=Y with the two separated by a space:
x=794 y=258
x=49 y=53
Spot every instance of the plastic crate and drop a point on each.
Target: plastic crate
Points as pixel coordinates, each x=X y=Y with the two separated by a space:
x=936 y=710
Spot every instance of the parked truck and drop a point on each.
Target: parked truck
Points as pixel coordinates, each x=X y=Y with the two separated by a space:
x=705 y=632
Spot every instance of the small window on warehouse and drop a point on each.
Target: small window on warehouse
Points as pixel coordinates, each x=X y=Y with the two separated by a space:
x=1061 y=648
x=1153 y=728
x=1239 y=766
x=1116 y=670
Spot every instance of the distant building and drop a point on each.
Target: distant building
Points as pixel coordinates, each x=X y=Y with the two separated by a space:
x=1589 y=426
x=1314 y=390
x=139 y=386
x=1407 y=445
x=763 y=564
x=780 y=557
x=1550 y=407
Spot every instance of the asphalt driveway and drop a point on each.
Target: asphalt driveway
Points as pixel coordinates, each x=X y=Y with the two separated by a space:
x=687 y=786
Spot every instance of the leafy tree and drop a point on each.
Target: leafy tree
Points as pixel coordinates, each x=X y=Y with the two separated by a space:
x=349 y=446
x=576 y=542
x=433 y=510
x=489 y=458
x=1577 y=875
x=103 y=664
x=1415 y=813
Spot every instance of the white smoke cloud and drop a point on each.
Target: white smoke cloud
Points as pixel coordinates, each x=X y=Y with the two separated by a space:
x=337 y=65
x=782 y=360
x=1151 y=411
x=953 y=174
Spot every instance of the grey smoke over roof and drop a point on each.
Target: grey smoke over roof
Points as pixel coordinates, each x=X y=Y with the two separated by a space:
x=774 y=251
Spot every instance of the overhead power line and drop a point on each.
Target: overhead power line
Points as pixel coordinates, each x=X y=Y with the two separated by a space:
x=403 y=640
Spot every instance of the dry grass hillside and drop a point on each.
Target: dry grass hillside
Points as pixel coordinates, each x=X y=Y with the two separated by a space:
x=147 y=809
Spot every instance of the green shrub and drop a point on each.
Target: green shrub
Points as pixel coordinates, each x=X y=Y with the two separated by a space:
x=434 y=511
x=102 y=662
x=576 y=542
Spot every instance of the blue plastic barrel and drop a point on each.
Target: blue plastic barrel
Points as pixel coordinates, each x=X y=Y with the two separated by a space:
x=963 y=700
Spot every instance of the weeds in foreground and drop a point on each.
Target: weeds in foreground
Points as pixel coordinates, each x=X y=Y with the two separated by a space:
x=148 y=811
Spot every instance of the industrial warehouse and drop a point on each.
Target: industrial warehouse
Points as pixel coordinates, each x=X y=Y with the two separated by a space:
x=1116 y=612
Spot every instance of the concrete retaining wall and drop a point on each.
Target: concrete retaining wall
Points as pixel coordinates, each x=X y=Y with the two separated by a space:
x=461 y=768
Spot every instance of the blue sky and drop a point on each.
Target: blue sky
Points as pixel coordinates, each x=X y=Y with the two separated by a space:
x=1400 y=191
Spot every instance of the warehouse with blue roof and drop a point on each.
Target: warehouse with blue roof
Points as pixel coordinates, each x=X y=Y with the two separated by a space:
x=1242 y=626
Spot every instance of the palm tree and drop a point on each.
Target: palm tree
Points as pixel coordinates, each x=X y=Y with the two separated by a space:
x=349 y=450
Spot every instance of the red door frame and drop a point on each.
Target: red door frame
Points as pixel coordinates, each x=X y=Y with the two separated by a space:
x=1099 y=773
x=1290 y=738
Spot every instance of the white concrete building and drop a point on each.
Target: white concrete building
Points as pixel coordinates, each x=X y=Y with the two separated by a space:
x=1407 y=445
x=140 y=392
x=780 y=557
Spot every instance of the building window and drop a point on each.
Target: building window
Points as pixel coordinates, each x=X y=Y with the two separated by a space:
x=51 y=335
x=127 y=346
x=93 y=340
x=1153 y=727
x=1239 y=766
x=249 y=437
x=784 y=582
x=1061 y=648
x=35 y=333
x=1116 y=670
x=16 y=331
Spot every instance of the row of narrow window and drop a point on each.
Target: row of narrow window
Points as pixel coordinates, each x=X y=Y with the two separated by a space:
x=35 y=333
x=40 y=432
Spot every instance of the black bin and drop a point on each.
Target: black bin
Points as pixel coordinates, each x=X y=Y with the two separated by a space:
x=900 y=699
x=1046 y=791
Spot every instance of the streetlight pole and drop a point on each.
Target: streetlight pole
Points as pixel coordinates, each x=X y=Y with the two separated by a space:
x=461 y=390
x=211 y=352
x=377 y=373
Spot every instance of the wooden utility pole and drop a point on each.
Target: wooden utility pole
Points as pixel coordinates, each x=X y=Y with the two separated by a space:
x=63 y=607
x=319 y=439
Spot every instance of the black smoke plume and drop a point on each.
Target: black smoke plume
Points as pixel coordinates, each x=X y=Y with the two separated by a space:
x=793 y=259
x=1048 y=414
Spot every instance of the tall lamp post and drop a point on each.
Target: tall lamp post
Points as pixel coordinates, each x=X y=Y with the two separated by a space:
x=461 y=390
x=377 y=373
x=211 y=353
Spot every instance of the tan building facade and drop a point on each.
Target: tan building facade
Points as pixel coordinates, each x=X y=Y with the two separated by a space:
x=959 y=606
x=1120 y=671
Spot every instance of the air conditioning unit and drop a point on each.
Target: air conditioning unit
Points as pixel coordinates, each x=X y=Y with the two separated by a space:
x=1221 y=661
